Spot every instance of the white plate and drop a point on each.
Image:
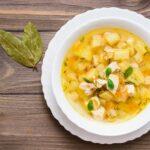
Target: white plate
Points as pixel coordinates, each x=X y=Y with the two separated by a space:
x=46 y=76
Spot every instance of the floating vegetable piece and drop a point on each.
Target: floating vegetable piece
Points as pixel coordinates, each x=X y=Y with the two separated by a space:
x=99 y=114
x=136 y=77
x=113 y=83
x=26 y=51
x=87 y=80
x=147 y=80
x=97 y=41
x=130 y=41
x=111 y=38
x=140 y=47
x=99 y=82
x=88 y=88
x=90 y=106
x=108 y=71
x=114 y=66
x=110 y=84
x=130 y=89
x=121 y=54
x=96 y=102
x=128 y=72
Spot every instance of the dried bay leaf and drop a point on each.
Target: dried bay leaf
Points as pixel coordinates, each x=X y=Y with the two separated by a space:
x=15 y=48
x=31 y=38
x=26 y=50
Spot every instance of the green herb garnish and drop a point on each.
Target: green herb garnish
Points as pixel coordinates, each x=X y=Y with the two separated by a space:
x=26 y=50
x=65 y=63
x=87 y=80
x=99 y=76
x=130 y=82
x=82 y=39
x=128 y=72
x=108 y=71
x=90 y=106
x=110 y=84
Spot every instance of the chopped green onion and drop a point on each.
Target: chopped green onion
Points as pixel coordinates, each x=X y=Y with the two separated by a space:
x=110 y=84
x=87 y=80
x=108 y=71
x=90 y=106
x=128 y=72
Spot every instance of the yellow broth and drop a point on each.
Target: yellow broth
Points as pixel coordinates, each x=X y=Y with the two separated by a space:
x=102 y=91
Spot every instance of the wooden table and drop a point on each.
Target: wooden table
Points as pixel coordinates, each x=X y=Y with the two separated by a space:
x=25 y=121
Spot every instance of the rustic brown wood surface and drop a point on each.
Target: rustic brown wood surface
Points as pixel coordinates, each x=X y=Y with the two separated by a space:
x=25 y=121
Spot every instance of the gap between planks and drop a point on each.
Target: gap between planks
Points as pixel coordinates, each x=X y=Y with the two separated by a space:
x=40 y=93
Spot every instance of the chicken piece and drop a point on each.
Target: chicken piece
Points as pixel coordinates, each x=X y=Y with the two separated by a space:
x=121 y=54
x=87 y=87
x=99 y=114
x=134 y=65
x=113 y=66
x=130 y=89
x=100 y=82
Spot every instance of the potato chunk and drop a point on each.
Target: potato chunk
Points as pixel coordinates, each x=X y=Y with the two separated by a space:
x=124 y=65
x=111 y=38
x=140 y=47
x=121 y=54
x=147 y=80
x=91 y=74
x=136 y=77
x=138 y=57
x=84 y=52
x=130 y=41
x=95 y=60
x=97 y=41
x=107 y=96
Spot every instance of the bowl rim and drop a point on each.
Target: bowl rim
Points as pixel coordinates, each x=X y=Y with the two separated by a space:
x=73 y=116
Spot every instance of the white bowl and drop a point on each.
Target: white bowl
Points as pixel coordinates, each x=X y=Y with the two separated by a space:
x=95 y=127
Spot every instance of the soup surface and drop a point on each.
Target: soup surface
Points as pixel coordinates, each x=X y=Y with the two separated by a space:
x=106 y=74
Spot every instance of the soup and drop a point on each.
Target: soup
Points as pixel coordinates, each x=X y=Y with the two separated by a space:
x=106 y=74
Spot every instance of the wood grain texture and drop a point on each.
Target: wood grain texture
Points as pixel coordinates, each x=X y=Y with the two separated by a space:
x=17 y=79
x=33 y=127
x=25 y=121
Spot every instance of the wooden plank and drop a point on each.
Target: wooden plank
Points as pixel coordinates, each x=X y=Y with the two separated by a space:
x=15 y=78
x=26 y=123
x=51 y=15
